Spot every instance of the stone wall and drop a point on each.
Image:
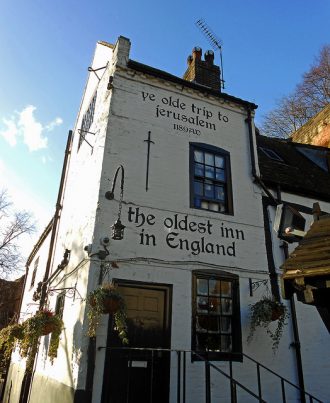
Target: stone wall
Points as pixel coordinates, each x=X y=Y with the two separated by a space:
x=316 y=131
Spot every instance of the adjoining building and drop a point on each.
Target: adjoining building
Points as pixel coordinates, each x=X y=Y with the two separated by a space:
x=316 y=131
x=178 y=163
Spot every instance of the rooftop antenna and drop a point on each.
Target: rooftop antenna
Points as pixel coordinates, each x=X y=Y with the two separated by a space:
x=214 y=41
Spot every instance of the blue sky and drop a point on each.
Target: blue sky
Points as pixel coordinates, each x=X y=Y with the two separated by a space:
x=46 y=47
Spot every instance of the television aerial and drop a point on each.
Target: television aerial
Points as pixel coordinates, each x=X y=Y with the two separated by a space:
x=214 y=41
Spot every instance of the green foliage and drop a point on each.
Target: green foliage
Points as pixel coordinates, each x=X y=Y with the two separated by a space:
x=8 y=337
x=42 y=323
x=27 y=335
x=97 y=304
x=265 y=311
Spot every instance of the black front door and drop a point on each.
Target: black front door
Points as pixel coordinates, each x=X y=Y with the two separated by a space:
x=140 y=373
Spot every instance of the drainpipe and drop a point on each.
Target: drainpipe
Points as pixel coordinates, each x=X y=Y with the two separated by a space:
x=28 y=377
x=296 y=342
x=56 y=220
x=272 y=271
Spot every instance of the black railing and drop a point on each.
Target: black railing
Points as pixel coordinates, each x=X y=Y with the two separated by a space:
x=180 y=361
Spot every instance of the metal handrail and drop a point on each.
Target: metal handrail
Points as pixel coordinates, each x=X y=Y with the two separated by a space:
x=181 y=388
x=310 y=396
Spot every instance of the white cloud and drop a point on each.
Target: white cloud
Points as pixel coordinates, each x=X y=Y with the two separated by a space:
x=53 y=124
x=11 y=132
x=31 y=129
x=24 y=125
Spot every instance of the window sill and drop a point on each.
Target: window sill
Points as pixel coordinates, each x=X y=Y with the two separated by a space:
x=216 y=356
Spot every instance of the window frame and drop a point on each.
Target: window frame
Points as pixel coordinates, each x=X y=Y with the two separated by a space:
x=229 y=208
x=273 y=155
x=87 y=119
x=236 y=332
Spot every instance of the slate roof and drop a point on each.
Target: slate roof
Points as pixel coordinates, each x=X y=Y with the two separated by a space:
x=143 y=68
x=296 y=173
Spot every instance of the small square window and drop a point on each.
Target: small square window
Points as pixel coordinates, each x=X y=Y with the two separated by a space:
x=271 y=154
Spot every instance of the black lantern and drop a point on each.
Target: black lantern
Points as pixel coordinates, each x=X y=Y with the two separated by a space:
x=118 y=227
x=118 y=230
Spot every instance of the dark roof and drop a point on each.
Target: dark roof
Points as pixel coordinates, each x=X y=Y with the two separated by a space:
x=296 y=173
x=143 y=68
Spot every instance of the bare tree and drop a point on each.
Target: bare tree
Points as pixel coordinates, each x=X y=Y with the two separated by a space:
x=13 y=225
x=309 y=98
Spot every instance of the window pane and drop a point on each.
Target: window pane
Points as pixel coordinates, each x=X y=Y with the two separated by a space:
x=209 y=172
x=199 y=169
x=209 y=159
x=202 y=323
x=222 y=207
x=198 y=188
x=225 y=324
x=202 y=286
x=214 y=206
x=220 y=175
x=214 y=287
x=219 y=193
x=197 y=202
x=226 y=344
x=205 y=205
x=202 y=304
x=214 y=305
x=209 y=191
x=219 y=161
x=208 y=323
x=213 y=342
x=226 y=306
x=226 y=290
x=198 y=156
x=201 y=341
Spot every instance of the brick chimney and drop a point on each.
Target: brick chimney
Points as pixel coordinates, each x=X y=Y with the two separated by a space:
x=203 y=71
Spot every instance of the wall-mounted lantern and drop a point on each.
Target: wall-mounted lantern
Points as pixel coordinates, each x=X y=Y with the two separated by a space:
x=289 y=223
x=117 y=227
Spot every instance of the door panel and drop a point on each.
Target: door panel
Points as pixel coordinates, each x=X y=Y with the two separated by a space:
x=135 y=376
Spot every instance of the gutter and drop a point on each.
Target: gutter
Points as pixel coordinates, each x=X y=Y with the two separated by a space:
x=253 y=159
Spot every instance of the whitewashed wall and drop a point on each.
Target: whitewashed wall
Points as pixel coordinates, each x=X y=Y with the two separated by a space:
x=124 y=114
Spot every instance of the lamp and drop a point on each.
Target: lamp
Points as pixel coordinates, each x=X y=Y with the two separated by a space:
x=118 y=230
x=117 y=227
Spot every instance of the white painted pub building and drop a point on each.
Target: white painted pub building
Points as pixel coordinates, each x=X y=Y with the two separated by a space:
x=196 y=188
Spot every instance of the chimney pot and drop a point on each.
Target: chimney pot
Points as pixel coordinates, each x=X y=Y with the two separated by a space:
x=189 y=60
x=203 y=72
x=197 y=53
x=209 y=57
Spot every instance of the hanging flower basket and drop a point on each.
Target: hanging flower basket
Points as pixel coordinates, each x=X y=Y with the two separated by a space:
x=278 y=311
x=107 y=300
x=48 y=328
x=42 y=323
x=263 y=313
x=110 y=304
